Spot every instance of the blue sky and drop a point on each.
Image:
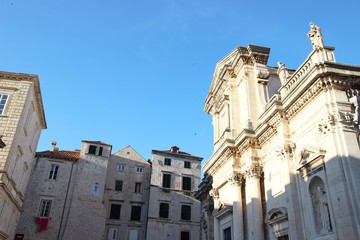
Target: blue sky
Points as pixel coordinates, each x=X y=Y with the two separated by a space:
x=137 y=72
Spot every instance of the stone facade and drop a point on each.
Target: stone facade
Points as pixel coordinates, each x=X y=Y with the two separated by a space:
x=174 y=212
x=66 y=189
x=286 y=146
x=127 y=195
x=21 y=121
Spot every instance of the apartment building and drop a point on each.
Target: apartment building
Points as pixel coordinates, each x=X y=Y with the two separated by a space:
x=174 y=212
x=21 y=120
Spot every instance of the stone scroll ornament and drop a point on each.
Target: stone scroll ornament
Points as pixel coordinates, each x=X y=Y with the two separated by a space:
x=315 y=36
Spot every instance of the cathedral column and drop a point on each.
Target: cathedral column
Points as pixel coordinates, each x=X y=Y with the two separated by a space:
x=215 y=195
x=235 y=180
x=253 y=203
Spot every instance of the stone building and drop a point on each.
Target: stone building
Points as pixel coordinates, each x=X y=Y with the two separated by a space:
x=21 y=121
x=286 y=156
x=66 y=190
x=127 y=195
x=174 y=212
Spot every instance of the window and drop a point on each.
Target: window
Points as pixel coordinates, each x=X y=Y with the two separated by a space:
x=139 y=169
x=187 y=164
x=115 y=210
x=137 y=187
x=227 y=233
x=3 y=100
x=118 y=185
x=186 y=183
x=135 y=213
x=96 y=188
x=185 y=212
x=53 y=171
x=285 y=237
x=112 y=234
x=166 y=180
x=164 y=210
x=44 y=210
x=185 y=235
x=120 y=167
x=167 y=161
x=96 y=150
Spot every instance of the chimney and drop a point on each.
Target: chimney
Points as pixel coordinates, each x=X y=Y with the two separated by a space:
x=53 y=146
x=174 y=149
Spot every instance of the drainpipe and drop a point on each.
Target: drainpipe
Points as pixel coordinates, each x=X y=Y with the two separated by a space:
x=66 y=196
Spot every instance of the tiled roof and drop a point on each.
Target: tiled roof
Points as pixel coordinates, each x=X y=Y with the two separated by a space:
x=96 y=142
x=178 y=154
x=65 y=155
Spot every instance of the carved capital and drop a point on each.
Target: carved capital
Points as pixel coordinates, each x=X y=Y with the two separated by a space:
x=253 y=171
x=235 y=178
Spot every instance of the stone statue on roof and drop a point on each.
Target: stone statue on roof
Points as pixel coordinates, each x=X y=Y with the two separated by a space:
x=315 y=36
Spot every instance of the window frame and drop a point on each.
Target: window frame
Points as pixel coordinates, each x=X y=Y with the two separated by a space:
x=186 y=212
x=187 y=164
x=137 y=188
x=164 y=210
x=135 y=213
x=139 y=169
x=95 y=150
x=115 y=214
x=54 y=169
x=112 y=233
x=119 y=185
x=167 y=161
x=3 y=105
x=121 y=167
x=166 y=180
x=44 y=208
x=182 y=237
x=186 y=185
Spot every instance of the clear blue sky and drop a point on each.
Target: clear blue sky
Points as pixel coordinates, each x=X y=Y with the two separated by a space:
x=137 y=72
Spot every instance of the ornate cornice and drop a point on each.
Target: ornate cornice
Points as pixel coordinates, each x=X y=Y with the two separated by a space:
x=303 y=100
x=214 y=193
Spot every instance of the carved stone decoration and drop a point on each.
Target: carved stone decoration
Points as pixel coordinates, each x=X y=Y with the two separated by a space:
x=263 y=74
x=326 y=124
x=253 y=171
x=287 y=150
x=235 y=178
x=214 y=193
x=315 y=36
x=355 y=100
x=283 y=73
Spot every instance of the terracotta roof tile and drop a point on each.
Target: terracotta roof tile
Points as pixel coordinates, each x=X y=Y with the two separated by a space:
x=66 y=155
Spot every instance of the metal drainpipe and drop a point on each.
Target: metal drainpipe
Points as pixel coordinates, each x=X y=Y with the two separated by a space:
x=66 y=196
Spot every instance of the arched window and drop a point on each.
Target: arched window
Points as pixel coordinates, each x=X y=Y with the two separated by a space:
x=320 y=206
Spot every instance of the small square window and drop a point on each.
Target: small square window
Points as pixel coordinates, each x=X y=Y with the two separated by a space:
x=96 y=150
x=120 y=167
x=139 y=169
x=167 y=161
x=187 y=164
x=185 y=235
x=96 y=188
x=118 y=185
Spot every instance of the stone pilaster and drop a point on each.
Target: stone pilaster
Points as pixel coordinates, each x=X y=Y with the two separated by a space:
x=253 y=203
x=235 y=180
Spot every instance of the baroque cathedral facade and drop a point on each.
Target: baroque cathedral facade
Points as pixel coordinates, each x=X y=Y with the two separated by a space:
x=286 y=156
